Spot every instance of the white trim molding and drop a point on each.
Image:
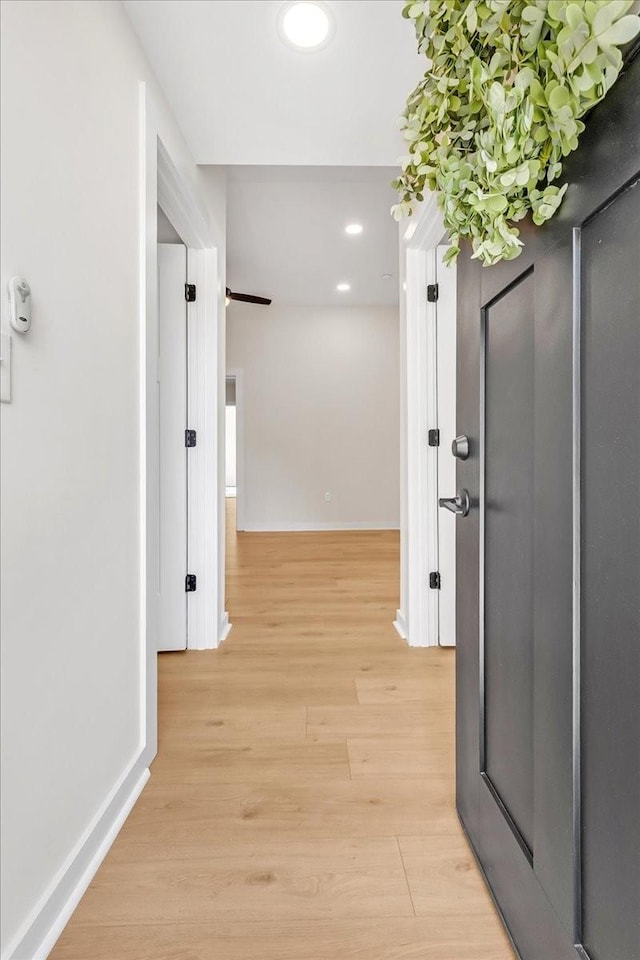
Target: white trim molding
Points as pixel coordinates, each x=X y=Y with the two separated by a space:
x=400 y=625
x=446 y=474
x=417 y=620
x=42 y=928
x=225 y=628
x=148 y=418
x=177 y=200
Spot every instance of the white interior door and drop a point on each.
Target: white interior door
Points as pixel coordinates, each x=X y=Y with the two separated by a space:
x=172 y=366
x=446 y=376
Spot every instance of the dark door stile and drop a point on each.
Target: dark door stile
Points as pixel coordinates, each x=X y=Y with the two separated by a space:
x=542 y=751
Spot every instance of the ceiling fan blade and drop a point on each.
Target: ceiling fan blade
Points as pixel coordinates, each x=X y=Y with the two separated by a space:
x=247 y=298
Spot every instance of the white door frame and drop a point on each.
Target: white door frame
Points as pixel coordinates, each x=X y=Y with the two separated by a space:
x=446 y=363
x=417 y=620
x=240 y=488
x=161 y=183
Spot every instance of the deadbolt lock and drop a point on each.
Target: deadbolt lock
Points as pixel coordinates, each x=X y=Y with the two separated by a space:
x=460 y=447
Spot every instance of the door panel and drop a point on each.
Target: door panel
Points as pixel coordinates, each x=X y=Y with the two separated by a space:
x=172 y=325
x=548 y=559
x=610 y=574
x=553 y=580
x=508 y=551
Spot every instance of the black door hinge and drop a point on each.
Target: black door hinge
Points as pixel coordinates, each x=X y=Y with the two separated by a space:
x=434 y=438
x=434 y=580
x=190 y=292
x=190 y=438
x=432 y=292
x=190 y=583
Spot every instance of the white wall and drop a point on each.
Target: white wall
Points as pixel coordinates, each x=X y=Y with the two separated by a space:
x=167 y=233
x=71 y=632
x=321 y=413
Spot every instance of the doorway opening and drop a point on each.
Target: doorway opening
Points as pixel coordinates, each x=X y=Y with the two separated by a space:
x=335 y=437
x=314 y=333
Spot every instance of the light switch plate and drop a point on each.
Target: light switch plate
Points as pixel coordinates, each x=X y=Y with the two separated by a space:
x=5 y=368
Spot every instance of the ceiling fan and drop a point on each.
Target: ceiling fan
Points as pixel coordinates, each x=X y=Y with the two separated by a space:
x=245 y=298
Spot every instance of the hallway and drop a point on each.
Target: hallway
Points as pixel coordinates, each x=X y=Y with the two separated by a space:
x=301 y=806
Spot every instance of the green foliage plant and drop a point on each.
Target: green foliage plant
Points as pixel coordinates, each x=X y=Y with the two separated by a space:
x=500 y=106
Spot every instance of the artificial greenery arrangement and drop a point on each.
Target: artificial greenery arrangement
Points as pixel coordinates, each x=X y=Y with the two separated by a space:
x=500 y=106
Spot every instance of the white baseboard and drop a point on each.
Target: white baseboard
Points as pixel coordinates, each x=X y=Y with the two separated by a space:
x=400 y=625
x=313 y=526
x=421 y=644
x=225 y=628
x=402 y=630
x=38 y=935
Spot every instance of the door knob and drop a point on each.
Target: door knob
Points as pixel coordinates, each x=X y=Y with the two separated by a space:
x=461 y=504
x=460 y=447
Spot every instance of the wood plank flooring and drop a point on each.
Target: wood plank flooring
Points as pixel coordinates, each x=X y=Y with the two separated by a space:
x=301 y=806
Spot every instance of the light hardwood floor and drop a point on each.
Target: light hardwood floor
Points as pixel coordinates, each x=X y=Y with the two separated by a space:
x=301 y=804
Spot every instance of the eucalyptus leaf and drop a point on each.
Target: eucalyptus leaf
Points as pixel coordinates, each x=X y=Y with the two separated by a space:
x=559 y=98
x=604 y=17
x=500 y=106
x=574 y=16
x=620 y=32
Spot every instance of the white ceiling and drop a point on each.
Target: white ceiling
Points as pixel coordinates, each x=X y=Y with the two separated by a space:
x=286 y=239
x=242 y=96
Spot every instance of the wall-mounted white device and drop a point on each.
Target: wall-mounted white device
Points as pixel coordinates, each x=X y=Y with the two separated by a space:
x=19 y=304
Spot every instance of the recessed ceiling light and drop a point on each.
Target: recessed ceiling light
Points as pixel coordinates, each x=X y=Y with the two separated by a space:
x=343 y=287
x=306 y=26
x=353 y=229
